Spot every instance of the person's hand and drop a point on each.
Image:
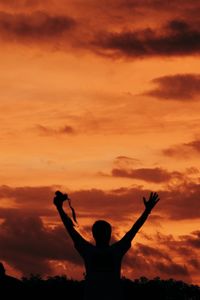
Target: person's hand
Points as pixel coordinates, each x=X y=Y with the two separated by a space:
x=153 y=199
x=58 y=202
x=59 y=199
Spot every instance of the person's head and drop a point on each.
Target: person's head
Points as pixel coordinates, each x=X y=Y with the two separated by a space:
x=101 y=231
x=2 y=270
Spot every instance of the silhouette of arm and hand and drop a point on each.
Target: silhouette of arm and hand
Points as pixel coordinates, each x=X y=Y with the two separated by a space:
x=149 y=205
x=67 y=221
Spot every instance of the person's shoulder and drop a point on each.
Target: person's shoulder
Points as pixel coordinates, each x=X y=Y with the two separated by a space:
x=121 y=245
x=83 y=245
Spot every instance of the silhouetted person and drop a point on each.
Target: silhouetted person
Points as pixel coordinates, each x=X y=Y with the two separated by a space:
x=103 y=261
x=8 y=282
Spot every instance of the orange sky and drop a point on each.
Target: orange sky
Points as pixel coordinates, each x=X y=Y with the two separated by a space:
x=100 y=99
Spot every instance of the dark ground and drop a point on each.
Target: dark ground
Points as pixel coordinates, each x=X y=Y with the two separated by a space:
x=62 y=287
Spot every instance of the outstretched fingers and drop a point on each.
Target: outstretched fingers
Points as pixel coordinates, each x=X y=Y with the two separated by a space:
x=145 y=201
x=152 y=201
x=151 y=196
x=155 y=198
x=155 y=195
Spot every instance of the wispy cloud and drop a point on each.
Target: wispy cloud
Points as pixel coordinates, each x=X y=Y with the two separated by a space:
x=48 y=131
x=181 y=87
x=184 y=150
x=176 y=38
x=36 y=26
x=156 y=175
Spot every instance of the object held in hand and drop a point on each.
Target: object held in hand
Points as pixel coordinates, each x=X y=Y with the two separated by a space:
x=65 y=197
x=62 y=196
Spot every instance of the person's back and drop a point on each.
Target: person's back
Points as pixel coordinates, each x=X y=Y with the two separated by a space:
x=102 y=263
x=102 y=274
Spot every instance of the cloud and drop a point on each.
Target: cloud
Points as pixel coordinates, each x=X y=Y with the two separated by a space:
x=184 y=150
x=193 y=239
x=48 y=131
x=126 y=158
x=185 y=247
x=178 y=151
x=181 y=87
x=146 y=250
x=33 y=197
x=157 y=175
x=17 y=3
x=33 y=26
x=149 y=5
x=118 y=204
x=178 y=202
x=173 y=269
x=194 y=262
x=194 y=145
x=165 y=256
x=29 y=246
x=181 y=201
x=153 y=261
x=35 y=212
x=123 y=161
x=176 y=38
x=92 y=202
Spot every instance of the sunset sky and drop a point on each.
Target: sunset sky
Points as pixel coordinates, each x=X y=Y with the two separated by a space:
x=100 y=99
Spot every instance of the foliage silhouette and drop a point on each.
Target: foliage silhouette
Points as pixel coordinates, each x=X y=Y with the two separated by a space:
x=8 y=282
x=141 y=288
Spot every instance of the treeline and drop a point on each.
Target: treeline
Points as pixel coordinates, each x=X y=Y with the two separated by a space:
x=142 y=289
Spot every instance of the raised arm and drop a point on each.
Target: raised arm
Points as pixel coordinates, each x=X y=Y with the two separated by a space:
x=74 y=234
x=149 y=205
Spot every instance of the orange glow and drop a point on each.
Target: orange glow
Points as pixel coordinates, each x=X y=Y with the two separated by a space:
x=74 y=100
